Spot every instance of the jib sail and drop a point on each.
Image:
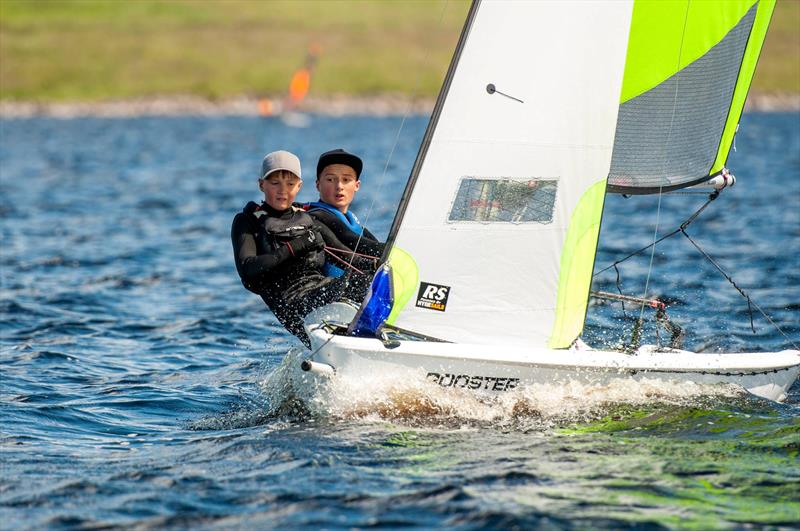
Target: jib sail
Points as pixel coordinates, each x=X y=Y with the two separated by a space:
x=688 y=69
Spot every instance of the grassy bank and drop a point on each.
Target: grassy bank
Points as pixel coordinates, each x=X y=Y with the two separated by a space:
x=80 y=50
x=94 y=50
x=779 y=65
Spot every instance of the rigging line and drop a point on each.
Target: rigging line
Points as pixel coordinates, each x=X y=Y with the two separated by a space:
x=664 y=161
x=397 y=136
x=652 y=255
x=619 y=288
x=685 y=224
x=350 y=264
x=310 y=356
x=348 y=251
x=634 y=253
x=750 y=302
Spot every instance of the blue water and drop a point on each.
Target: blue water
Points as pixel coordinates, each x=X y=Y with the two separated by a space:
x=138 y=376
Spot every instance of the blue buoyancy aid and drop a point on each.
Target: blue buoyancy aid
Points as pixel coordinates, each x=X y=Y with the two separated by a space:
x=349 y=220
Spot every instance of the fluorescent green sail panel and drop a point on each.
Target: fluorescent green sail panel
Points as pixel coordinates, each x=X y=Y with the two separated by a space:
x=577 y=262
x=751 y=53
x=405 y=279
x=677 y=132
x=668 y=35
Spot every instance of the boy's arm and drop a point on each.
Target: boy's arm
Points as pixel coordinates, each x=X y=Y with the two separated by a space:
x=253 y=266
x=370 y=236
x=362 y=263
x=346 y=238
x=369 y=244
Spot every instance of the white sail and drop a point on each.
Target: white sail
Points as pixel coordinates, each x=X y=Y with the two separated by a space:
x=492 y=220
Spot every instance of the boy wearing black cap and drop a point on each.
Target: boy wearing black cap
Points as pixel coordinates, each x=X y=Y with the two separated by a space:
x=338 y=180
x=279 y=249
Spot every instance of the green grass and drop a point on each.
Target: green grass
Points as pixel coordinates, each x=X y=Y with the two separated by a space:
x=779 y=65
x=94 y=50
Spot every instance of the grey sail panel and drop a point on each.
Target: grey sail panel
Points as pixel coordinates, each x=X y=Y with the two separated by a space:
x=667 y=137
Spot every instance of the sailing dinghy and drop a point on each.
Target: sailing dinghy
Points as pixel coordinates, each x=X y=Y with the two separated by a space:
x=546 y=107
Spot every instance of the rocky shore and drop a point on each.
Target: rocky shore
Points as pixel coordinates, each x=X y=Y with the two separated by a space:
x=384 y=105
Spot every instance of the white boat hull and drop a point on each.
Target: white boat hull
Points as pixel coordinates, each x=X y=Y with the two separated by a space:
x=492 y=370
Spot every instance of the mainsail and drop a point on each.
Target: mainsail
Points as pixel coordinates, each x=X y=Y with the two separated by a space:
x=500 y=219
x=502 y=212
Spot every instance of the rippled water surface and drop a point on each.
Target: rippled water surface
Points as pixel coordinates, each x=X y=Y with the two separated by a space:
x=141 y=384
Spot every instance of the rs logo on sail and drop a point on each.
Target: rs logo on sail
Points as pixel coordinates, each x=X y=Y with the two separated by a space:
x=432 y=296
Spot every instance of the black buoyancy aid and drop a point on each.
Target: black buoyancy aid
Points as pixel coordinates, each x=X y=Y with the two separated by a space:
x=276 y=228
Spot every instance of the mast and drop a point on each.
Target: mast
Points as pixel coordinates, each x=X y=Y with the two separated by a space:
x=426 y=139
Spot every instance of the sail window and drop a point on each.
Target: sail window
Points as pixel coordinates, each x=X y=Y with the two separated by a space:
x=504 y=200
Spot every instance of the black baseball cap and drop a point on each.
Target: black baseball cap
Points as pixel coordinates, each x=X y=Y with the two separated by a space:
x=339 y=156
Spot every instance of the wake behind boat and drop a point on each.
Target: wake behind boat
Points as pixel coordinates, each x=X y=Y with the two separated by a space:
x=545 y=109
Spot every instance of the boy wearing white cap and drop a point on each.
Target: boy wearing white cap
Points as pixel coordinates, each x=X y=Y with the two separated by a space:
x=279 y=249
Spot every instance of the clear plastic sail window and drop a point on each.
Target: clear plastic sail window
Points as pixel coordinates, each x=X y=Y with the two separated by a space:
x=504 y=200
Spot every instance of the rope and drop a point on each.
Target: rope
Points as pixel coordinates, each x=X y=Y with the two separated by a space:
x=310 y=356
x=652 y=255
x=750 y=303
x=344 y=262
x=397 y=137
x=685 y=224
x=682 y=230
x=686 y=192
x=619 y=288
x=348 y=251
x=664 y=163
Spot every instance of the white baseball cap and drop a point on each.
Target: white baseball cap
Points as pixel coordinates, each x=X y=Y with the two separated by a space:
x=280 y=160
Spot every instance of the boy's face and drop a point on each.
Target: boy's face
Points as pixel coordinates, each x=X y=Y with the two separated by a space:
x=337 y=184
x=280 y=188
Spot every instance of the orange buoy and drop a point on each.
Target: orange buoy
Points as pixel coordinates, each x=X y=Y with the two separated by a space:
x=298 y=87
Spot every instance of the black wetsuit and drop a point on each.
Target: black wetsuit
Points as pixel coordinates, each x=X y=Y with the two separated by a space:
x=291 y=284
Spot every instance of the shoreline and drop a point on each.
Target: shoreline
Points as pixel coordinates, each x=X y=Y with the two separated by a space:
x=337 y=105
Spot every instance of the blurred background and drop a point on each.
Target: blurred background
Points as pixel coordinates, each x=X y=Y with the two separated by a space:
x=99 y=50
x=55 y=50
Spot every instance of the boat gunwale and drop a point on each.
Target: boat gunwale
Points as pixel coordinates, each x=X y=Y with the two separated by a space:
x=642 y=361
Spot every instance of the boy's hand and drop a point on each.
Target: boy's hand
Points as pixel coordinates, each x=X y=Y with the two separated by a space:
x=305 y=243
